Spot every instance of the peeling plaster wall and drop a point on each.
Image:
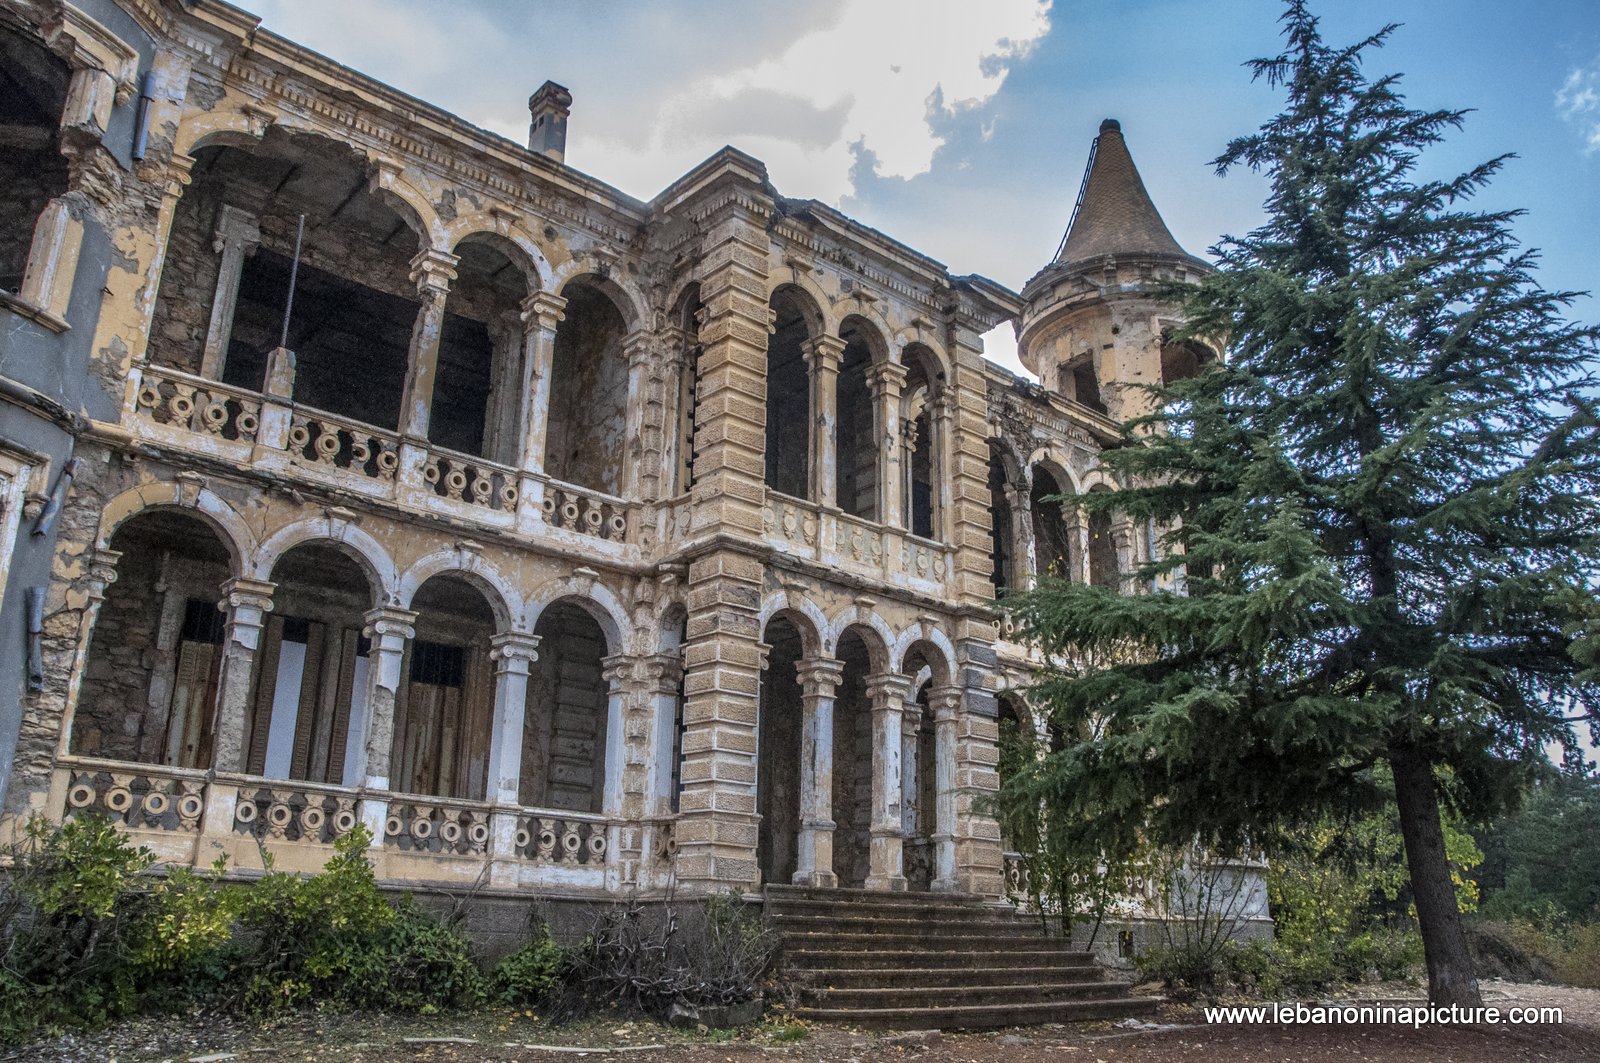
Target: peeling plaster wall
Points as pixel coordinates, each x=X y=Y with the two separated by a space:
x=588 y=394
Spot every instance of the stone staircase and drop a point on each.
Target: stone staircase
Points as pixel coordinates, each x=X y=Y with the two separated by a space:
x=934 y=961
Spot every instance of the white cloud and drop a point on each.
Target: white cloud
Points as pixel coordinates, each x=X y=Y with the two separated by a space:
x=1000 y=347
x=873 y=78
x=1578 y=101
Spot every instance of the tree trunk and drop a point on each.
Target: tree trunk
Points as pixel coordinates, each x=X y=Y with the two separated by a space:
x=1444 y=943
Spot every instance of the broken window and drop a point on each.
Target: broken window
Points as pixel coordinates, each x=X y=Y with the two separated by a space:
x=564 y=725
x=150 y=677
x=857 y=424
x=311 y=669
x=852 y=764
x=1053 y=548
x=1003 y=573
x=1081 y=384
x=225 y=282
x=788 y=470
x=689 y=314
x=33 y=93
x=918 y=423
x=1182 y=360
x=588 y=392
x=445 y=709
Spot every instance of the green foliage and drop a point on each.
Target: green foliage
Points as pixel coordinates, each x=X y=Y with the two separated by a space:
x=1379 y=511
x=1542 y=862
x=532 y=974
x=414 y=963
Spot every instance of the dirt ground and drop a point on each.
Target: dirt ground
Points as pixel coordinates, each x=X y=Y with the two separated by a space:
x=1177 y=1033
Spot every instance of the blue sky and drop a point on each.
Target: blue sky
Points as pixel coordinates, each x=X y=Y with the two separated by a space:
x=961 y=127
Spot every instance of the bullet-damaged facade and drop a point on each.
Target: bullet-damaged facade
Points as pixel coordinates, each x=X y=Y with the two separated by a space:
x=571 y=543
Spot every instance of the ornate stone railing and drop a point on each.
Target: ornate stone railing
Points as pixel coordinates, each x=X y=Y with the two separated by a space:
x=923 y=558
x=195 y=404
x=860 y=541
x=437 y=825
x=463 y=478
x=577 y=509
x=361 y=449
x=570 y=838
x=794 y=521
x=137 y=796
x=295 y=812
x=1018 y=885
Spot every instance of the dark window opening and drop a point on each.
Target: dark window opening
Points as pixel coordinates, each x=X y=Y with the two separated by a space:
x=588 y=393
x=788 y=464
x=1052 y=541
x=33 y=92
x=858 y=452
x=1102 y=552
x=203 y=622
x=460 y=406
x=1000 y=519
x=1086 y=386
x=351 y=342
x=438 y=664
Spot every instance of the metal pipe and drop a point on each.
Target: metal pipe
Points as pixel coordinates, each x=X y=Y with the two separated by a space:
x=47 y=519
x=141 y=116
x=35 y=610
x=294 y=273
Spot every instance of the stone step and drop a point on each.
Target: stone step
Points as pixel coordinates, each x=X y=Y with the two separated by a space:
x=777 y=895
x=804 y=926
x=947 y=977
x=864 y=957
x=927 y=939
x=935 y=996
x=982 y=1016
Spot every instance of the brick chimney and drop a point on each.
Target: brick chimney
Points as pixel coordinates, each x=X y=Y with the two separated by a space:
x=547 y=133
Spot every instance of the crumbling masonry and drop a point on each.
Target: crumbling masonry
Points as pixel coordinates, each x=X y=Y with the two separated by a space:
x=581 y=544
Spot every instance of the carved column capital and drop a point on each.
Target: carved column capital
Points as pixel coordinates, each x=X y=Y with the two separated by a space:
x=887 y=380
x=242 y=595
x=618 y=670
x=945 y=703
x=662 y=672
x=888 y=691
x=823 y=353
x=819 y=676
x=389 y=623
x=513 y=650
x=543 y=311
x=432 y=271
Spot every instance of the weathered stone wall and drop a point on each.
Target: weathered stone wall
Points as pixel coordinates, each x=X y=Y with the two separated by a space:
x=589 y=394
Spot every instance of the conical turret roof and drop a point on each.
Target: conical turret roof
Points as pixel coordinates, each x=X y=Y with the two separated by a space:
x=1114 y=215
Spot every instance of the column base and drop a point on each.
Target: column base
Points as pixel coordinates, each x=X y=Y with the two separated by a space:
x=826 y=880
x=886 y=883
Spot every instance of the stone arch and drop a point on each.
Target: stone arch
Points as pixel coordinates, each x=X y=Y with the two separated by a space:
x=226 y=521
x=818 y=306
x=497 y=590
x=791 y=400
x=509 y=238
x=1050 y=459
x=872 y=629
x=936 y=649
x=807 y=618
x=593 y=597
x=937 y=357
x=360 y=545
x=623 y=293
x=872 y=330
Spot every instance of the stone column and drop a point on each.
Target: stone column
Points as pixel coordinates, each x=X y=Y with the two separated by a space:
x=887 y=693
x=247 y=603
x=89 y=589
x=541 y=313
x=513 y=654
x=1024 y=565
x=53 y=259
x=945 y=704
x=663 y=677
x=822 y=361
x=1078 y=538
x=1122 y=538
x=819 y=683
x=432 y=271
x=387 y=630
x=639 y=348
x=942 y=418
x=236 y=239
x=910 y=769
x=618 y=671
x=886 y=382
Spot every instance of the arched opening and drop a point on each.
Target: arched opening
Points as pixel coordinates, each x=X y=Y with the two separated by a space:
x=688 y=320
x=220 y=308
x=1018 y=748
x=788 y=465
x=311 y=669
x=33 y=93
x=852 y=764
x=1002 y=561
x=1080 y=382
x=857 y=449
x=1103 y=568
x=564 y=727
x=149 y=686
x=922 y=455
x=778 y=744
x=588 y=411
x=919 y=774
x=1182 y=360
x=476 y=397
x=1055 y=552
x=445 y=709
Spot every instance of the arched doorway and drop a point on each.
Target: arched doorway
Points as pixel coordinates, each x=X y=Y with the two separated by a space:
x=565 y=727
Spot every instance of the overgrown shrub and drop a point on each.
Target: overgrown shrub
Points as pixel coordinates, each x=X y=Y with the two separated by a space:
x=415 y=963
x=1521 y=951
x=532 y=975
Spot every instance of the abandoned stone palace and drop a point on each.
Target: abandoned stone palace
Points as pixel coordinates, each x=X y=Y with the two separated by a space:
x=573 y=544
